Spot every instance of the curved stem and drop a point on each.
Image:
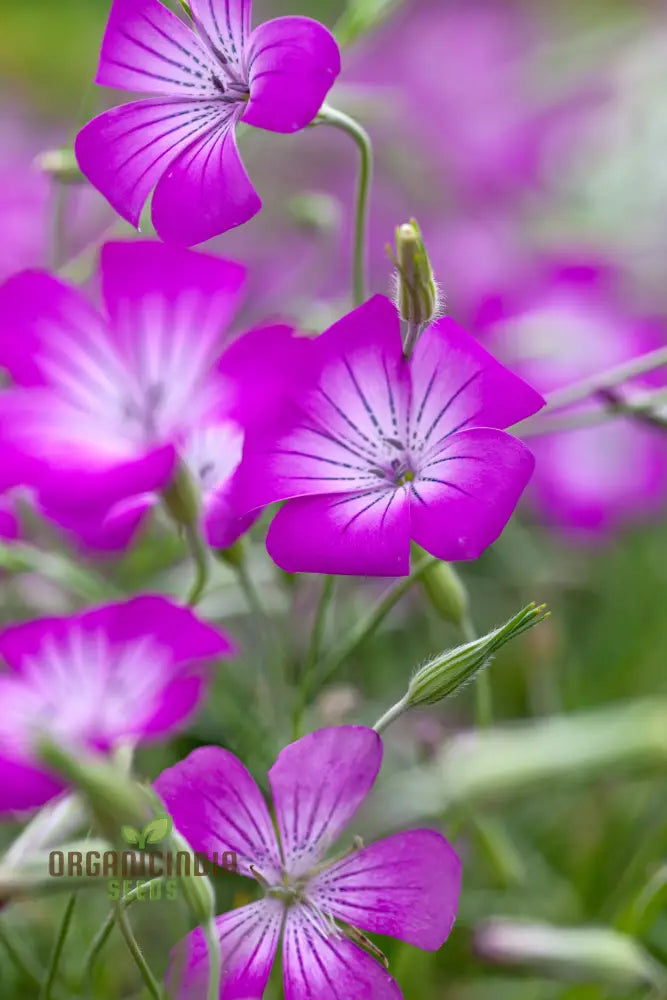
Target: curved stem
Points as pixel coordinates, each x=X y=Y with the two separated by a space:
x=313 y=650
x=124 y=926
x=338 y=119
x=214 y=959
x=368 y=625
x=103 y=933
x=199 y=552
x=45 y=991
x=391 y=715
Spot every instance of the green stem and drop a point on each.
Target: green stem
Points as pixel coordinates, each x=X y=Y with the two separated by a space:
x=214 y=959
x=338 y=119
x=369 y=624
x=103 y=933
x=23 y=963
x=47 y=986
x=581 y=390
x=313 y=651
x=411 y=337
x=149 y=979
x=199 y=551
x=392 y=714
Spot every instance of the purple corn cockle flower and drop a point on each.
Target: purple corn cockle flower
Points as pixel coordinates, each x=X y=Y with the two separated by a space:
x=572 y=322
x=120 y=673
x=405 y=886
x=112 y=401
x=377 y=450
x=210 y=76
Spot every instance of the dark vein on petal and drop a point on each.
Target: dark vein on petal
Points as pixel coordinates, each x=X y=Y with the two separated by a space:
x=363 y=399
x=449 y=402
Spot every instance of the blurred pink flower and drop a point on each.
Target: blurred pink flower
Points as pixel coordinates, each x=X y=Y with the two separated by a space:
x=118 y=673
x=571 y=322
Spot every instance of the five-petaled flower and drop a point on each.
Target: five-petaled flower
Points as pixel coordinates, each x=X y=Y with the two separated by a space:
x=377 y=449
x=120 y=673
x=405 y=886
x=209 y=76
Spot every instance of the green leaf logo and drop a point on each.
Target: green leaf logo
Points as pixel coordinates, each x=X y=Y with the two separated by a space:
x=152 y=833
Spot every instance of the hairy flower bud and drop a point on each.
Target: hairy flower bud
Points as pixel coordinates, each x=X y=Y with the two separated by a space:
x=416 y=290
x=455 y=667
x=181 y=498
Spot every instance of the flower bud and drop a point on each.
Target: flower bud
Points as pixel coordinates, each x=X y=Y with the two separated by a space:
x=61 y=165
x=597 y=954
x=181 y=498
x=416 y=291
x=113 y=797
x=315 y=211
x=455 y=667
x=446 y=593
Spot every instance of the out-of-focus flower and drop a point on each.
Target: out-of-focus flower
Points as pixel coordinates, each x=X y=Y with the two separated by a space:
x=119 y=673
x=572 y=322
x=405 y=886
x=103 y=402
x=210 y=76
x=377 y=450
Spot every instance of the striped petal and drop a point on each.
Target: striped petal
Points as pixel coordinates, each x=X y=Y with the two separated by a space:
x=406 y=886
x=225 y=25
x=124 y=152
x=317 y=964
x=312 y=812
x=146 y=48
x=248 y=940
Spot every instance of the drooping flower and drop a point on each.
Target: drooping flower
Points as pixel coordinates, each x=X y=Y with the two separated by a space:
x=102 y=403
x=377 y=450
x=573 y=322
x=405 y=886
x=210 y=76
x=119 y=673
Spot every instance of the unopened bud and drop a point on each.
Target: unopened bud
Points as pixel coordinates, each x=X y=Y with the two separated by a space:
x=182 y=499
x=450 y=670
x=416 y=290
x=315 y=211
x=445 y=591
x=596 y=954
x=113 y=797
x=61 y=165
x=233 y=555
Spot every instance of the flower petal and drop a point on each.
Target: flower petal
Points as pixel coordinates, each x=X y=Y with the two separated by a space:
x=351 y=416
x=292 y=64
x=248 y=940
x=24 y=787
x=205 y=191
x=217 y=806
x=146 y=48
x=124 y=152
x=365 y=533
x=466 y=493
x=456 y=384
x=406 y=886
x=45 y=326
x=225 y=25
x=169 y=308
x=321 y=965
x=318 y=783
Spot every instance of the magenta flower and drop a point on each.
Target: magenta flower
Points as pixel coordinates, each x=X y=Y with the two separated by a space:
x=406 y=886
x=572 y=322
x=209 y=76
x=103 y=402
x=378 y=450
x=120 y=673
